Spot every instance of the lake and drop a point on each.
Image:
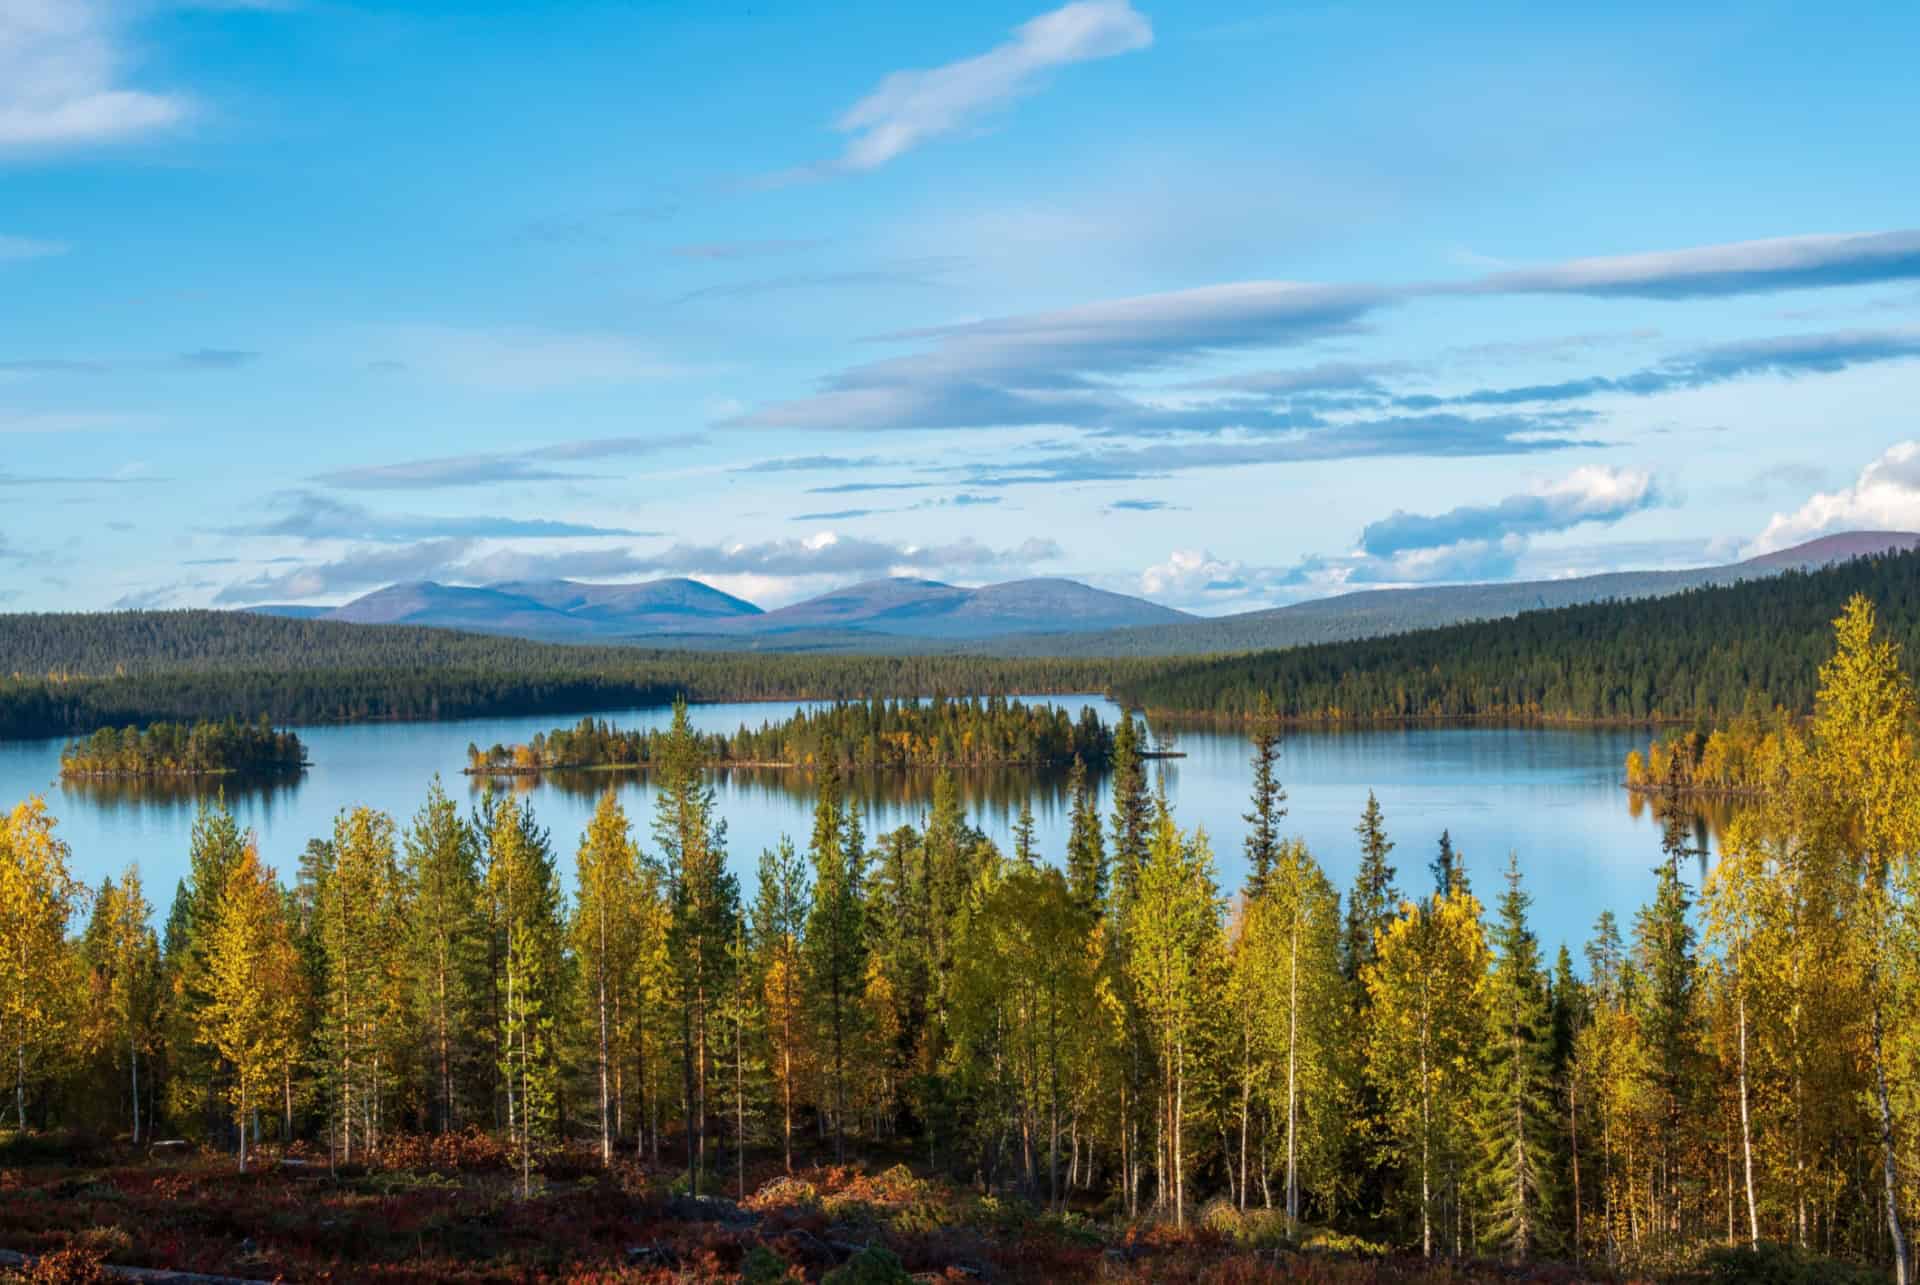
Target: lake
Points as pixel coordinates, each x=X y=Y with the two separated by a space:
x=1553 y=795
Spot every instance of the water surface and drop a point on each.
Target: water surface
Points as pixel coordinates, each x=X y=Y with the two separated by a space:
x=1552 y=795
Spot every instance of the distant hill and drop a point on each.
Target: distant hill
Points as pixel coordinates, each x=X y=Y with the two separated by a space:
x=1374 y=613
x=678 y=612
x=553 y=610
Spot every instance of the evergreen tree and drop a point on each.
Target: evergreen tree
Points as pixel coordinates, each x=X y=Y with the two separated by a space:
x=1269 y=807
x=705 y=902
x=524 y=893
x=779 y=926
x=1086 y=848
x=1371 y=904
x=1516 y=1112
x=1132 y=821
x=836 y=946
x=1023 y=850
x=361 y=927
x=445 y=946
x=605 y=914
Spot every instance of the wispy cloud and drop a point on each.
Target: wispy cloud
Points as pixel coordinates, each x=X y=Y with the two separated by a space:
x=1886 y=496
x=1040 y=369
x=306 y=515
x=493 y=468
x=1787 y=355
x=1743 y=267
x=921 y=273
x=356 y=570
x=909 y=108
x=61 y=78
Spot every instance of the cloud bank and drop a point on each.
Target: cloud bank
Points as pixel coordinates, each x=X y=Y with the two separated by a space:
x=1885 y=497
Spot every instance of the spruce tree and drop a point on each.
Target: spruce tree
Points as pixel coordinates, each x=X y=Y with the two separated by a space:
x=836 y=946
x=1372 y=902
x=1132 y=821
x=1515 y=1103
x=1086 y=848
x=1269 y=808
x=445 y=946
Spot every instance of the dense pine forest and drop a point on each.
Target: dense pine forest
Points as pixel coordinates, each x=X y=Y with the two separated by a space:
x=1706 y=654
x=228 y=748
x=67 y=675
x=1113 y=1054
x=854 y=735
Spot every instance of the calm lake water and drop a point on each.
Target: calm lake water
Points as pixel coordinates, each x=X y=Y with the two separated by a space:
x=1551 y=795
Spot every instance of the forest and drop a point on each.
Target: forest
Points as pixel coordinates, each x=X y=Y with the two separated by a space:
x=1706 y=654
x=855 y=735
x=1071 y=1063
x=228 y=748
x=67 y=675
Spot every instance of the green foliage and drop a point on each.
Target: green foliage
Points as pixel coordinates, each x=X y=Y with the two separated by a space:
x=855 y=735
x=871 y=1266
x=1706 y=653
x=1775 y=1264
x=180 y=749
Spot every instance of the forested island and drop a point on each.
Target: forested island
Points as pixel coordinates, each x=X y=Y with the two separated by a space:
x=918 y=1052
x=863 y=735
x=228 y=748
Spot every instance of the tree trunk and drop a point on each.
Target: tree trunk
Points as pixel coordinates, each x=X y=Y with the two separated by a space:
x=1293 y=1098
x=1746 y=1133
x=1888 y=1161
x=133 y=1064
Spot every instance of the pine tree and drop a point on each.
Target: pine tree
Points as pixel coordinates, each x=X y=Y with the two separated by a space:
x=1269 y=807
x=779 y=926
x=445 y=944
x=1371 y=904
x=124 y=956
x=361 y=924
x=1449 y=874
x=197 y=1082
x=524 y=892
x=1516 y=1113
x=1665 y=1008
x=705 y=903
x=605 y=914
x=1086 y=848
x=1023 y=851
x=836 y=946
x=1132 y=822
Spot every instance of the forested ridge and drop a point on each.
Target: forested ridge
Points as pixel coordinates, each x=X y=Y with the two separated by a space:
x=1712 y=653
x=1103 y=1033
x=182 y=749
x=853 y=735
x=63 y=675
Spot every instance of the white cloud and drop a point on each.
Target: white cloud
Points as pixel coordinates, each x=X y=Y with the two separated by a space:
x=60 y=78
x=1886 y=497
x=910 y=107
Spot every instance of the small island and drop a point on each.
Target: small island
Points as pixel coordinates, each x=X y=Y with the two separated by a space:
x=856 y=735
x=229 y=748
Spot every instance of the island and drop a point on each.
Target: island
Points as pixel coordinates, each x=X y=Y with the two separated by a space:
x=228 y=748
x=940 y=732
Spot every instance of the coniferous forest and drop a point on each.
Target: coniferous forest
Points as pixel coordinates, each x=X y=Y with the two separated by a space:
x=856 y=735
x=436 y=1038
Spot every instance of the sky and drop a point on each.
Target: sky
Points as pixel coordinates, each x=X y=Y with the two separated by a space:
x=1226 y=305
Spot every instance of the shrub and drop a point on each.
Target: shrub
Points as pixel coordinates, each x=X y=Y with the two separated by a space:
x=1783 y=1265
x=871 y=1266
x=762 y=1266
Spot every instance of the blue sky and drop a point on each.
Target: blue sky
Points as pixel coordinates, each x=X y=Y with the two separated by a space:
x=1228 y=305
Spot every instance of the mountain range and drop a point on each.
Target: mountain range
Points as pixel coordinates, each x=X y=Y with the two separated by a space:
x=1018 y=617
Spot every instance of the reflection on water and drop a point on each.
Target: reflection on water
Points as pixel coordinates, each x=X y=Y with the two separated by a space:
x=182 y=792
x=1553 y=795
x=881 y=792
